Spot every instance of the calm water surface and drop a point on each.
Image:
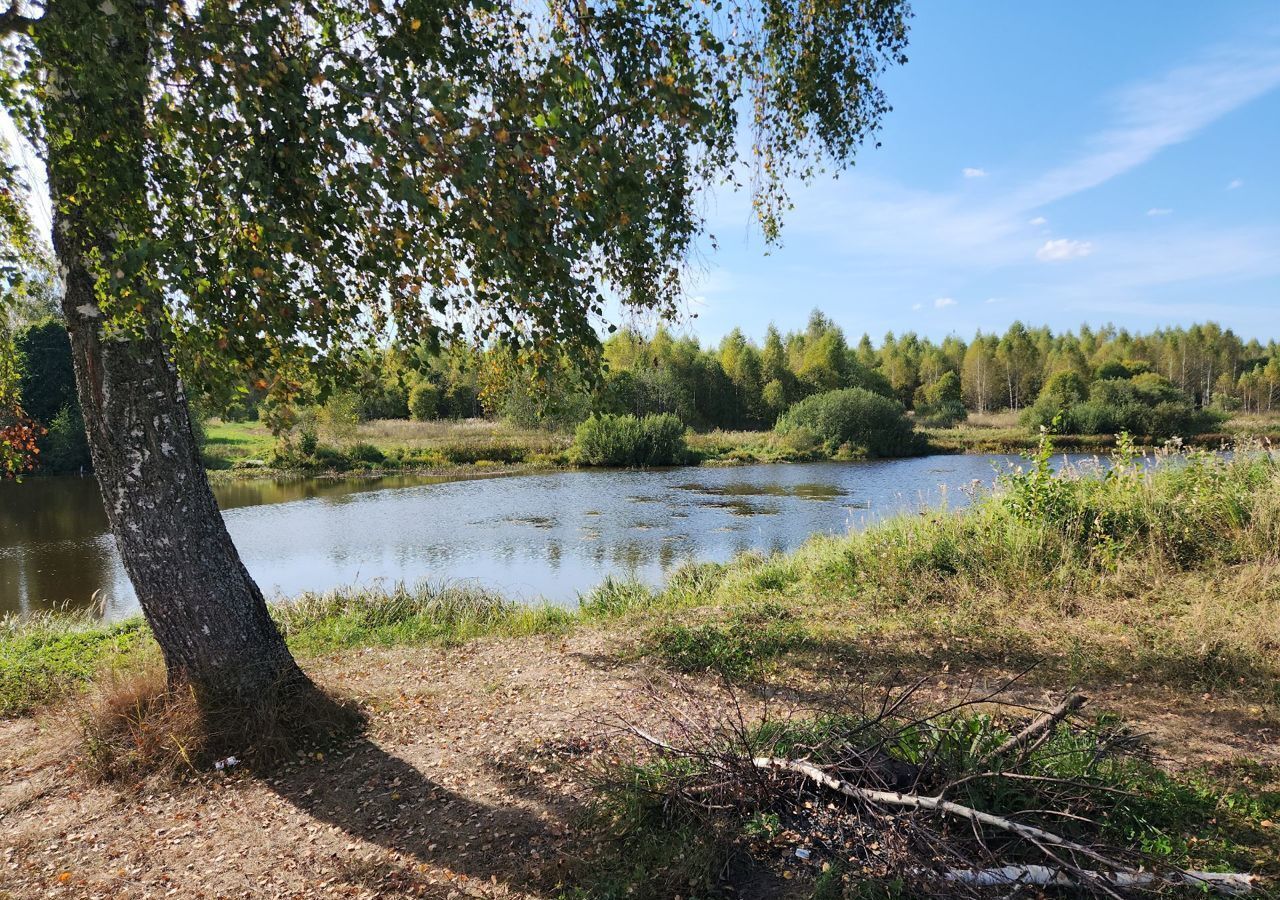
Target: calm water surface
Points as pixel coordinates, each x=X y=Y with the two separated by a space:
x=551 y=535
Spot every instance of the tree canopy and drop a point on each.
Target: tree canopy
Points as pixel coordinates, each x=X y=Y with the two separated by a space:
x=319 y=174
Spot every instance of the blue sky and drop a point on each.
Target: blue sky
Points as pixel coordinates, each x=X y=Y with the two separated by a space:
x=1095 y=161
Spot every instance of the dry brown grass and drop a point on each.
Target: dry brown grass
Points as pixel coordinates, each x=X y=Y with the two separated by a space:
x=467 y=432
x=1006 y=419
x=137 y=726
x=133 y=726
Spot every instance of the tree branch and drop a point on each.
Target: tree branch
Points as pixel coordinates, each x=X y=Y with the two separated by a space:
x=1040 y=726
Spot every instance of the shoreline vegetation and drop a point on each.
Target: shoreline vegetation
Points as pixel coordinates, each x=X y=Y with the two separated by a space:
x=476 y=447
x=1156 y=592
x=457 y=407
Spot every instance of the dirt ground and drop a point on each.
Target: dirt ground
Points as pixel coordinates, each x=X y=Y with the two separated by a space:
x=469 y=783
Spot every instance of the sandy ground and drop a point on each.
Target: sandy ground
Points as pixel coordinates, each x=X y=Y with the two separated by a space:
x=470 y=782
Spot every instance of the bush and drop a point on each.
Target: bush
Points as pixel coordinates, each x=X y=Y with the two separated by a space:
x=498 y=451
x=868 y=424
x=655 y=440
x=366 y=453
x=424 y=401
x=309 y=440
x=382 y=401
x=1146 y=404
x=941 y=403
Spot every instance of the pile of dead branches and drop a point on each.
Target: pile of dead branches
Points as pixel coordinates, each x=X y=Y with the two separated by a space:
x=978 y=798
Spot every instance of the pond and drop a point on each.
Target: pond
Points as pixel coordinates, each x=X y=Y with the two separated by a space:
x=550 y=535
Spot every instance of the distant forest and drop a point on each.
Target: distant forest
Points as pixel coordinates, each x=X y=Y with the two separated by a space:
x=744 y=384
x=1094 y=380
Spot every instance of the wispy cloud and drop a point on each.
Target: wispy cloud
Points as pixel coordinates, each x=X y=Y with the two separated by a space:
x=1039 y=220
x=1063 y=249
x=1234 y=183
x=1151 y=116
x=1159 y=211
x=944 y=302
x=970 y=172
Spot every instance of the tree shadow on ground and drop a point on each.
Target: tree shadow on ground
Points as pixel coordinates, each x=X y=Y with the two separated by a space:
x=375 y=796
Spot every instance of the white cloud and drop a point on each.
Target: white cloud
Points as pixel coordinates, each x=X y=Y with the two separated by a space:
x=1159 y=211
x=1039 y=220
x=943 y=302
x=970 y=172
x=993 y=300
x=917 y=306
x=1234 y=183
x=1063 y=249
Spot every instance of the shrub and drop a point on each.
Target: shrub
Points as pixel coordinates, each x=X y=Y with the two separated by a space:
x=309 y=441
x=424 y=401
x=382 y=401
x=655 y=440
x=941 y=403
x=498 y=451
x=366 y=453
x=1146 y=404
x=868 y=423
x=1061 y=392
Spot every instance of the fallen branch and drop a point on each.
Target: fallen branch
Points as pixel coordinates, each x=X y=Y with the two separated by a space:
x=916 y=801
x=1042 y=724
x=1228 y=883
x=1120 y=876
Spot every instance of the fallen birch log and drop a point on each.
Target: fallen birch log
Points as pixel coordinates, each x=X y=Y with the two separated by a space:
x=1227 y=883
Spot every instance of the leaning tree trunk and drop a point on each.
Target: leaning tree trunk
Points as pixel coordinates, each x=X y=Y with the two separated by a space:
x=207 y=614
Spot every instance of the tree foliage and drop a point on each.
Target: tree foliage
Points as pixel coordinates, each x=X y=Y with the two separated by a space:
x=317 y=175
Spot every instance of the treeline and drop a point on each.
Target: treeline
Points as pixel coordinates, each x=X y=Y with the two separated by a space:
x=1094 y=380
x=743 y=384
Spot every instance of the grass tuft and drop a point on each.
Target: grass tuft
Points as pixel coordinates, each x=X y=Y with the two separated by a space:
x=136 y=726
x=741 y=646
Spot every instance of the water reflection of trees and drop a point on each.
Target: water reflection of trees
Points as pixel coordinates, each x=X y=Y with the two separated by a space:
x=53 y=545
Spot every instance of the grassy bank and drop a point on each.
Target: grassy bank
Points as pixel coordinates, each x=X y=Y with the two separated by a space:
x=1003 y=433
x=248 y=448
